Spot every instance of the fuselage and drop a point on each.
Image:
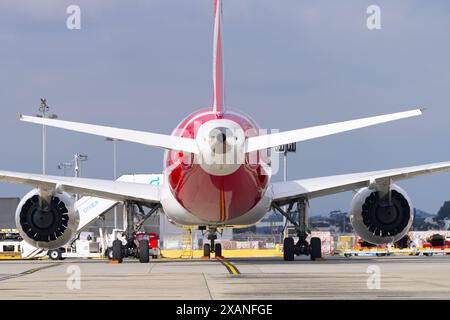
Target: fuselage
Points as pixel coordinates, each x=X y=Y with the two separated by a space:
x=219 y=192
x=222 y=184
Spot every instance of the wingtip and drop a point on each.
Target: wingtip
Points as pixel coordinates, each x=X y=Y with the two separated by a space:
x=423 y=109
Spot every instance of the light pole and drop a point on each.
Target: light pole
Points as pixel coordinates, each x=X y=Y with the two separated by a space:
x=43 y=109
x=77 y=161
x=114 y=141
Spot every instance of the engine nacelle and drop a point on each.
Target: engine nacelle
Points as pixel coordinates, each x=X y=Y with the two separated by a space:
x=376 y=220
x=49 y=226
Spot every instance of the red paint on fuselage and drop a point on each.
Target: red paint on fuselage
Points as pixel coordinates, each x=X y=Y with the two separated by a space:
x=209 y=197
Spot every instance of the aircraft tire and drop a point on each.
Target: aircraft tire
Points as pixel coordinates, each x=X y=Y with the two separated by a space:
x=218 y=250
x=117 y=250
x=207 y=250
x=316 y=248
x=288 y=249
x=144 y=254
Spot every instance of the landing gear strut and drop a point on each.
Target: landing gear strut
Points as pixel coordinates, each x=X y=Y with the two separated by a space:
x=212 y=247
x=302 y=247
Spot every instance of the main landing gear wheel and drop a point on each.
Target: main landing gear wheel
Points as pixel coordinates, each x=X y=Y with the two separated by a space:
x=207 y=250
x=144 y=254
x=288 y=249
x=218 y=250
x=316 y=249
x=117 y=250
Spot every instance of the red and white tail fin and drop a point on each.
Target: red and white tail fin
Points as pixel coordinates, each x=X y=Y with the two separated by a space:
x=218 y=92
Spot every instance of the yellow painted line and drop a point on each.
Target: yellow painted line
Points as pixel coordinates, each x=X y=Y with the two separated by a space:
x=231 y=268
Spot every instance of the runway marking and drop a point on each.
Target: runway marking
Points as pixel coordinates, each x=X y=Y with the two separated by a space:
x=207 y=286
x=31 y=271
x=230 y=267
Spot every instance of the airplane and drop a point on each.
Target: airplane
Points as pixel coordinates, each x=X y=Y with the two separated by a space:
x=217 y=175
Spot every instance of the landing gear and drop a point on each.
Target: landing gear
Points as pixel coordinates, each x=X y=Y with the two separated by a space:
x=212 y=247
x=131 y=242
x=302 y=247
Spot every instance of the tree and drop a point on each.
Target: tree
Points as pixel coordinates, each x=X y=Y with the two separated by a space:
x=444 y=212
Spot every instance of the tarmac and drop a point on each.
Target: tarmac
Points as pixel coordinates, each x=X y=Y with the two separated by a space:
x=399 y=277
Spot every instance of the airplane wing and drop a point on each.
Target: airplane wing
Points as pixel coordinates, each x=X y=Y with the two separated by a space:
x=142 y=137
x=281 y=138
x=285 y=192
x=113 y=190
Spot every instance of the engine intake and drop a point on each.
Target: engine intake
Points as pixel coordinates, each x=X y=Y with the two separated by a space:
x=379 y=221
x=47 y=224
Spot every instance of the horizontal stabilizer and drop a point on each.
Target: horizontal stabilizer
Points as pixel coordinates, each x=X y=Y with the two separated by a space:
x=142 y=137
x=282 y=138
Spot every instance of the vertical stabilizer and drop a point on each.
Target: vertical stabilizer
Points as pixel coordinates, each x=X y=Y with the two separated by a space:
x=218 y=92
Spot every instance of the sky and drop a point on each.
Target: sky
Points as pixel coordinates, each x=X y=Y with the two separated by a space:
x=146 y=65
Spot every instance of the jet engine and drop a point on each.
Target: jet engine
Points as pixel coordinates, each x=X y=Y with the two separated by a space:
x=47 y=222
x=380 y=220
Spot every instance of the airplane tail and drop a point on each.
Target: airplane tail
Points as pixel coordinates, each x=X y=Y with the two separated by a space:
x=218 y=85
